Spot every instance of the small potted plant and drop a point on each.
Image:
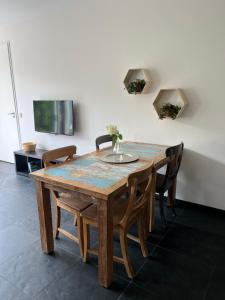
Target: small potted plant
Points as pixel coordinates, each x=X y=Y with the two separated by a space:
x=169 y=110
x=136 y=86
x=116 y=137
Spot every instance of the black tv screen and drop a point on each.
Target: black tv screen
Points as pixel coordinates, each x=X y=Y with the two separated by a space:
x=54 y=116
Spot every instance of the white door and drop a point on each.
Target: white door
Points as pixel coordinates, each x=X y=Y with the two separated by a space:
x=9 y=132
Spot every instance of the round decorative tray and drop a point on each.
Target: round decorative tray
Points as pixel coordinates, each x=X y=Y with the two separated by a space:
x=120 y=158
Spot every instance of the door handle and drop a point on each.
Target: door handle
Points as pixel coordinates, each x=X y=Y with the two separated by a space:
x=12 y=114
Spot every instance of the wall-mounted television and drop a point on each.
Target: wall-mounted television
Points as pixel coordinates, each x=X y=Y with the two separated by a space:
x=54 y=116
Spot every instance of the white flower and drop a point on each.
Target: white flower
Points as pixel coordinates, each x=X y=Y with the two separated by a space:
x=112 y=129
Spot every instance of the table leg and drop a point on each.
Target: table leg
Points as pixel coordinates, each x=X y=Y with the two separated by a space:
x=45 y=217
x=105 y=260
x=172 y=194
x=152 y=203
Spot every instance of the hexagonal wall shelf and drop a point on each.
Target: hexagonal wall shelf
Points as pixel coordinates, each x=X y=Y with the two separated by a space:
x=133 y=81
x=175 y=97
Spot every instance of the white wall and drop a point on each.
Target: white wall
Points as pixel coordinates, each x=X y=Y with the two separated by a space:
x=83 y=53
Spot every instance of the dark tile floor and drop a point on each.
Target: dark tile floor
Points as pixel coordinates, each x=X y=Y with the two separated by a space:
x=186 y=261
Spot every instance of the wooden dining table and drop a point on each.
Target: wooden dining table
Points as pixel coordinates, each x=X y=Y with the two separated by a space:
x=87 y=177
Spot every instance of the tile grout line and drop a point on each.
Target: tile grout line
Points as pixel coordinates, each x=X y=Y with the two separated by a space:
x=124 y=291
x=145 y=261
x=55 y=279
x=11 y=284
x=18 y=254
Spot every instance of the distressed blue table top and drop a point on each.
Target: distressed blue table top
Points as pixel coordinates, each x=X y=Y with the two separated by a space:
x=90 y=172
x=145 y=151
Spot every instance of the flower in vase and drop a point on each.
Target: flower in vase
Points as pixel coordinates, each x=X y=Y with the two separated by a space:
x=114 y=132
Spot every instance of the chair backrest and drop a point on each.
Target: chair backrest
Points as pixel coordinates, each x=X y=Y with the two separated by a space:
x=174 y=155
x=102 y=139
x=139 y=187
x=52 y=155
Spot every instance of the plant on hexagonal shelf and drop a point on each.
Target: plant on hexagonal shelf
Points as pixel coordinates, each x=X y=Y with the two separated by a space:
x=137 y=81
x=168 y=110
x=170 y=103
x=136 y=86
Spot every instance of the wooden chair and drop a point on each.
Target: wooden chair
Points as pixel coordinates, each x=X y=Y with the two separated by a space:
x=166 y=182
x=102 y=139
x=128 y=211
x=66 y=201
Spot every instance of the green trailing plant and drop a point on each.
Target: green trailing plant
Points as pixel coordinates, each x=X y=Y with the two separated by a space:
x=136 y=86
x=169 y=110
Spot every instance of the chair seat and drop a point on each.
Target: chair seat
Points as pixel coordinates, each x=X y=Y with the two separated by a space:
x=73 y=203
x=90 y=213
x=160 y=186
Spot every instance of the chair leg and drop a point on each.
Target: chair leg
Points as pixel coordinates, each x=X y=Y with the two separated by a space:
x=127 y=263
x=86 y=237
x=141 y=234
x=172 y=197
x=174 y=212
x=57 y=221
x=80 y=233
x=162 y=214
x=75 y=221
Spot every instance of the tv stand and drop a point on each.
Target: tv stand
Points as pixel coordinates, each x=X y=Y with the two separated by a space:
x=26 y=162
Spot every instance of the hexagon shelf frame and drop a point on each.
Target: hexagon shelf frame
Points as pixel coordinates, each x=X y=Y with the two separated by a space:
x=134 y=74
x=172 y=96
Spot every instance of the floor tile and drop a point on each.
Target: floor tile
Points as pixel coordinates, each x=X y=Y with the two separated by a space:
x=30 y=223
x=154 y=237
x=5 y=221
x=186 y=259
x=216 y=288
x=136 y=257
x=202 y=245
x=18 y=183
x=82 y=283
x=170 y=275
x=134 y=252
x=17 y=206
x=133 y=292
x=66 y=217
x=14 y=241
x=201 y=217
x=69 y=245
x=9 y=292
x=33 y=270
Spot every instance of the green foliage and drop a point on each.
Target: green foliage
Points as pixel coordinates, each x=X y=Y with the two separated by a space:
x=169 y=110
x=114 y=132
x=120 y=136
x=136 y=86
x=116 y=137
